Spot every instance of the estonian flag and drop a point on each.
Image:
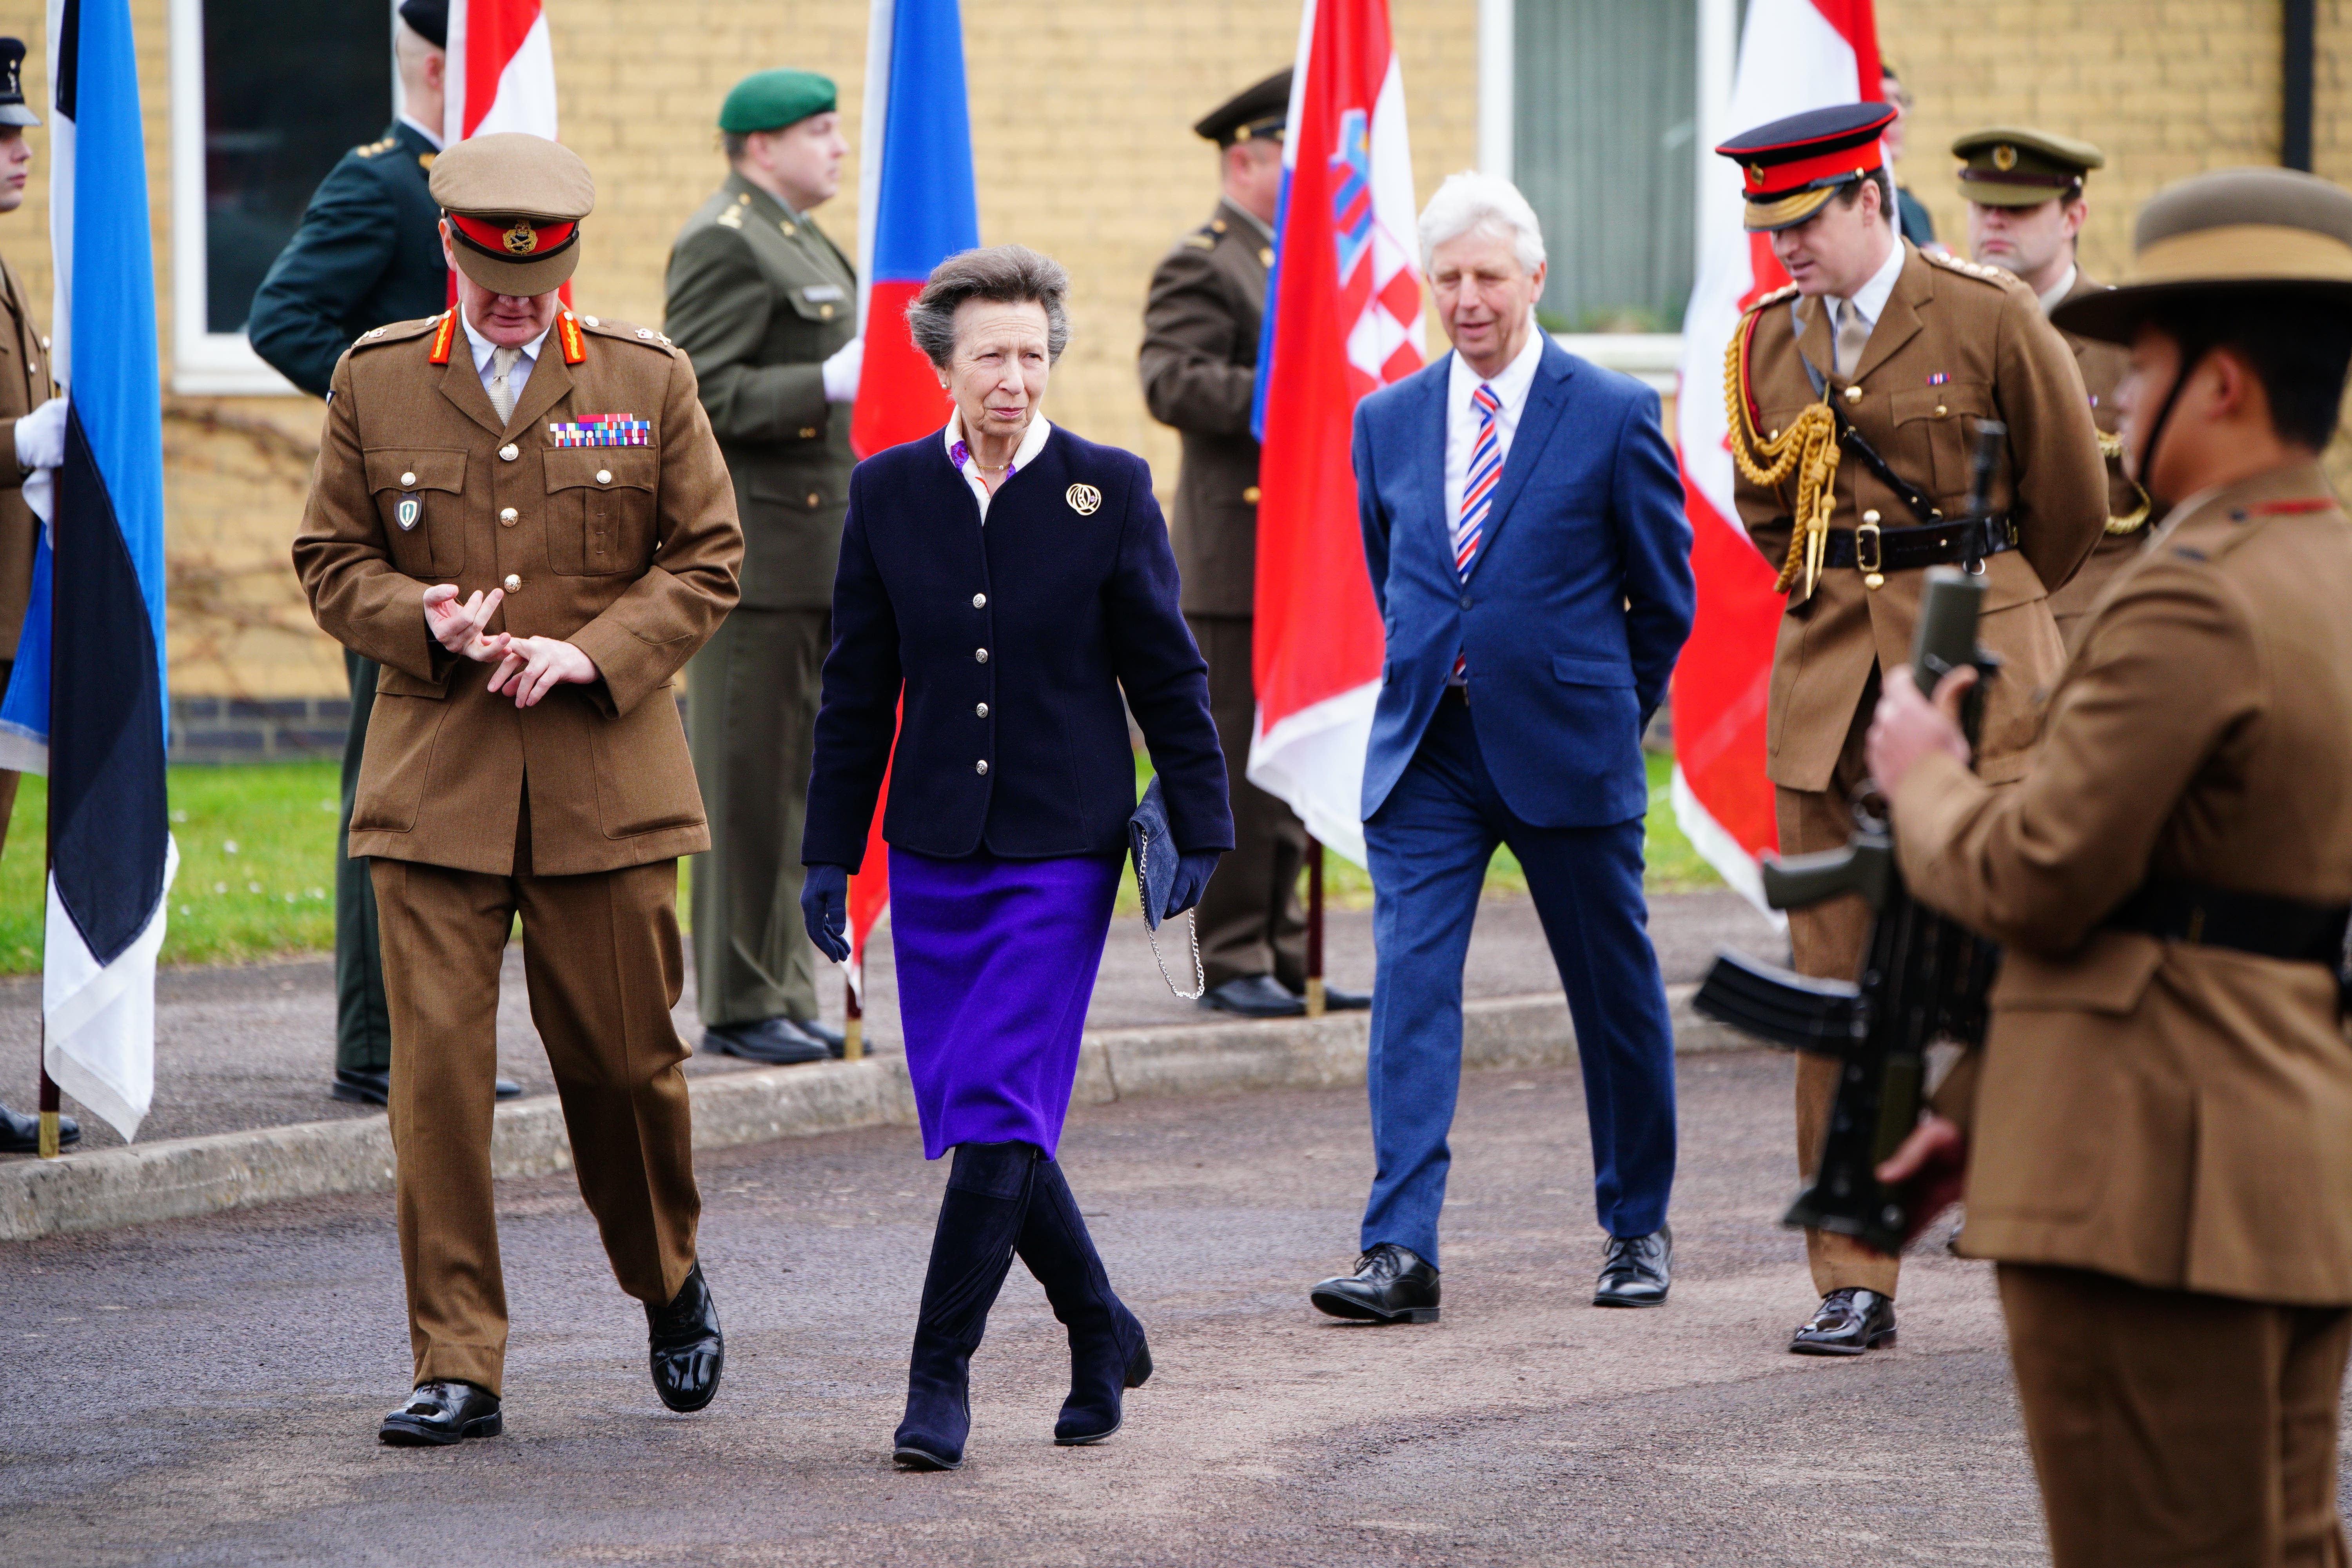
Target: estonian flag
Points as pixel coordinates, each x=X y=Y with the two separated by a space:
x=84 y=703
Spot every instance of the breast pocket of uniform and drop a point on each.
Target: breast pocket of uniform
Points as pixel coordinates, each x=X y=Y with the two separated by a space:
x=420 y=496
x=1935 y=431
x=600 y=509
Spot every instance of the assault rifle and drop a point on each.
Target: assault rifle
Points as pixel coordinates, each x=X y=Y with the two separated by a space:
x=1924 y=977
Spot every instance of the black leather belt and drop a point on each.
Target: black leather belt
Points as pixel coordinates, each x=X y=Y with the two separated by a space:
x=2258 y=923
x=1873 y=549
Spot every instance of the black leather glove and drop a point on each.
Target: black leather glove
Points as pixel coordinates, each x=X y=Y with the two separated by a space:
x=1192 y=871
x=825 y=907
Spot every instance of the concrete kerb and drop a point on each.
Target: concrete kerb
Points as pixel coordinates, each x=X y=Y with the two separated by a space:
x=187 y=1176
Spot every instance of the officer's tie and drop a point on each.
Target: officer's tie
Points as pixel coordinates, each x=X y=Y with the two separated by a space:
x=1852 y=337
x=1477 y=493
x=502 y=388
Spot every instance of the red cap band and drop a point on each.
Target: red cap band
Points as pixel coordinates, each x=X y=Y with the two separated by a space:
x=518 y=241
x=1767 y=183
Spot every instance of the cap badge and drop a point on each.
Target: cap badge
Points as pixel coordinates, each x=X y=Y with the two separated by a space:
x=1756 y=173
x=2004 y=157
x=1084 y=500
x=522 y=239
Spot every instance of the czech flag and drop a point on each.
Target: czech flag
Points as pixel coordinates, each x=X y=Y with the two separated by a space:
x=1795 y=55
x=86 y=702
x=1343 y=318
x=916 y=207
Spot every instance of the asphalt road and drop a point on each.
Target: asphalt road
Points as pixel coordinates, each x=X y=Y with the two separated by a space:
x=206 y=1392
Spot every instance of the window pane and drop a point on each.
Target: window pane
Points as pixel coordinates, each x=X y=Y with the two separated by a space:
x=1607 y=96
x=288 y=89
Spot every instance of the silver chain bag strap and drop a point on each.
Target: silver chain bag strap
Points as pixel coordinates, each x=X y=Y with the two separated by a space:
x=1191 y=929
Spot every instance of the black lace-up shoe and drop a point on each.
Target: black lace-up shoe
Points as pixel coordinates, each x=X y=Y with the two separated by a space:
x=1848 y=1322
x=688 y=1352
x=441 y=1412
x=1391 y=1285
x=1636 y=1271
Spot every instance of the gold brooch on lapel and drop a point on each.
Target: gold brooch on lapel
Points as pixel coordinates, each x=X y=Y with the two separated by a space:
x=1084 y=500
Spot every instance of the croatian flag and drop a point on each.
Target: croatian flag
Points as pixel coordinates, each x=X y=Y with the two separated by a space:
x=1343 y=318
x=501 y=74
x=1795 y=55
x=86 y=702
x=916 y=207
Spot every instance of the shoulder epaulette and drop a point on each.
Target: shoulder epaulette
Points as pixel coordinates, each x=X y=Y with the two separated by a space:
x=1202 y=241
x=628 y=333
x=1784 y=291
x=374 y=148
x=398 y=331
x=729 y=217
x=1996 y=276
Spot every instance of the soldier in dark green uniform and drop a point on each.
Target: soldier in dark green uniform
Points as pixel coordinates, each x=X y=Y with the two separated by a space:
x=368 y=251
x=1200 y=374
x=766 y=307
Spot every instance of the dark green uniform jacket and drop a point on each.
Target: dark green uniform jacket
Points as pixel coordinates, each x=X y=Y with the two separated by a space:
x=758 y=298
x=1200 y=370
x=368 y=252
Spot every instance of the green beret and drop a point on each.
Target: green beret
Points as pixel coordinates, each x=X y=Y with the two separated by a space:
x=769 y=100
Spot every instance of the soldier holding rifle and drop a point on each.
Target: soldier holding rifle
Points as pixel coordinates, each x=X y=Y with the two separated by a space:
x=2159 y=1129
x=1854 y=394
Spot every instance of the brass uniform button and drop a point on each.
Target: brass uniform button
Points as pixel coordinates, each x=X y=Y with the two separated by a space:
x=980 y=601
x=1941 y=411
x=1870 y=517
x=507 y=516
x=589 y=319
x=1873 y=579
x=979 y=656
x=787 y=227
x=509 y=452
x=814 y=499
x=603 y=476
x=1854 y=394
x=981 y=710
x=824 y=312
x=1249 y=495
x=981 y=767
x=808 y=432
x=513 y=583
x=1265 y=256
x=1772 y=436
x=407 y=479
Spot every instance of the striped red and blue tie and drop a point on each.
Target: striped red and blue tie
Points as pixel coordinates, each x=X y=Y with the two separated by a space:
x=1477 y=493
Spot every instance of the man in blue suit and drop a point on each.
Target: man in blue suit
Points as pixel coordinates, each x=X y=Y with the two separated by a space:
x=1522 y=523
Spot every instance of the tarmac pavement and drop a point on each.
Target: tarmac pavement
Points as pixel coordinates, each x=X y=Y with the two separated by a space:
x=207 y=1391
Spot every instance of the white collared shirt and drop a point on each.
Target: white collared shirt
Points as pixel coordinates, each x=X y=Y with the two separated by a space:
x=1462 y=416
x=1032 y=441
x=423 y=130
x=2059 y=290
x=1870 y=300
x=483 y=348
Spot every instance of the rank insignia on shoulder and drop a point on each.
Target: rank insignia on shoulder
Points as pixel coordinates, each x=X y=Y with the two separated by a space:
x=1201 y=241
x=441 y=340
x=604 y=430
x=575 y=346
x=729 y=217
x=816 y=292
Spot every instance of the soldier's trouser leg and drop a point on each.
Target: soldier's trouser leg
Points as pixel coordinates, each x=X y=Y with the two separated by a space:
x=1251 y=920
x=363 y=1027
x=2173 y=1428
x=752 y=700
x=1828 y=940
x=603 y=962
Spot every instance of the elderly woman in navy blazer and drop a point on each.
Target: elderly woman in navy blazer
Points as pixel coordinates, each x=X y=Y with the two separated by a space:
x=1012 y=580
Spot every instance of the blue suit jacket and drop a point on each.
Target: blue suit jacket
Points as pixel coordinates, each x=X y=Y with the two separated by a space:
x=1577 y=603
x=1072 y=607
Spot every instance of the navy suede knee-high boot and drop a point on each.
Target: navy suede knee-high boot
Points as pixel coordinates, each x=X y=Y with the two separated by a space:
x=1107 y=1353
x=980 y=1220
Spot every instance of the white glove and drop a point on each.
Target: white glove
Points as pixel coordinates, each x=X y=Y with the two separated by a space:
x=41 y=436
x=841 y=372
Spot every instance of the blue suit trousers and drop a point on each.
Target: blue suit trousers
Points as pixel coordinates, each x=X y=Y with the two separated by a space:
x=1430 y=845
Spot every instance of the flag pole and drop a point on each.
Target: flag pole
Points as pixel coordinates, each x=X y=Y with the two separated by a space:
x=51 y=1100
x=853 y=1027
x=1314 y=927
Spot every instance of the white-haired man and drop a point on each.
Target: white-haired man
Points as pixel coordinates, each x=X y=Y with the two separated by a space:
x=1523 y=523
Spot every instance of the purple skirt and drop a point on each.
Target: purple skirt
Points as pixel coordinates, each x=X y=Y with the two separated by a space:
x=996 y=963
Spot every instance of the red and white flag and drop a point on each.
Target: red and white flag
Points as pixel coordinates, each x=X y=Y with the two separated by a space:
x=1343 y=318
x=501 y=74
x=1795 y=55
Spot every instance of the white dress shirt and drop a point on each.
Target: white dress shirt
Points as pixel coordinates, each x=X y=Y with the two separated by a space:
x=1033 y=442
x=1510 y=389
x=1870 y=300
x=483 y=348
x=423 y=130
x=2059 y=290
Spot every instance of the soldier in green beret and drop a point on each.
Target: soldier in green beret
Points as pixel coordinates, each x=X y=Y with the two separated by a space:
x=766 y=307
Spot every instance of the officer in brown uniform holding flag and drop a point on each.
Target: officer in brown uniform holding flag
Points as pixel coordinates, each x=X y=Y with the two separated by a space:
x=2026 y=211
x=521 y=515
x=2160 y=1123
x=1198 y=366
x=1854 y=395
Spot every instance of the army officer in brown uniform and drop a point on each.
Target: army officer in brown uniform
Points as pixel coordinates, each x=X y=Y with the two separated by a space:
x=2026 y=211
x=2160 y=1120
x=1909 y=353
x=1199 y=364
x=520 y=514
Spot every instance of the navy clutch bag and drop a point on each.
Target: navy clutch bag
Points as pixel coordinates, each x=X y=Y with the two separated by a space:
x=1155 y=882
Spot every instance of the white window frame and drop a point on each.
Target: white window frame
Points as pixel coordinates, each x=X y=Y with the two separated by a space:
x=1653 y=357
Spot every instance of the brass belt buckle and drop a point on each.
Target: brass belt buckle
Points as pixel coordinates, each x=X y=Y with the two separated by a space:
x=1872 y=563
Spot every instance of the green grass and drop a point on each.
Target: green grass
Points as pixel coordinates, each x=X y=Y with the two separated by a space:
x=257 y=865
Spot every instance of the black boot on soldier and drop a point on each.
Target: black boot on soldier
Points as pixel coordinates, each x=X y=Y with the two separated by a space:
x=1107 y=1353
x=980 y=1220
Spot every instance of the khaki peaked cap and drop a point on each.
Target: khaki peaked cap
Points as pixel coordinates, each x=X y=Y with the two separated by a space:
x=2017 y=167
x=2232 y=231
x=515 y=202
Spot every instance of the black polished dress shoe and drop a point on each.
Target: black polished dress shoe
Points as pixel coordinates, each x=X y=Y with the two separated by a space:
x=21 y=1135
x=1849 y=1322
x=771 y=1042
x=824 y=1034
x=440 y=1413
x=1636 y=1271
x=375 y=1087
x=1391 y=1285
x=689 y=1352
x=1254 y=996
x=1335 y=1000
